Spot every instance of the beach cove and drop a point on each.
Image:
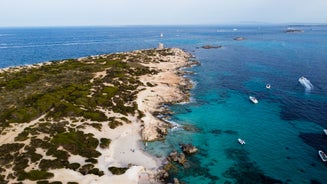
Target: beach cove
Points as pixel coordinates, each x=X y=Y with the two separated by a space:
x=87 y=120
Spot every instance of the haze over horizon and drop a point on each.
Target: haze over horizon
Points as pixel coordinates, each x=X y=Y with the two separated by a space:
x=169 y=12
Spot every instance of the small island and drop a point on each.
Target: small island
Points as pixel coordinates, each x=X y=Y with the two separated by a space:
x=211 y=47
x=294 y=31
x=87 y=120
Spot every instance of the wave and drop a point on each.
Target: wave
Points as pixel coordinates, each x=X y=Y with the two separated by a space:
x=175 y=125
x=306 y=83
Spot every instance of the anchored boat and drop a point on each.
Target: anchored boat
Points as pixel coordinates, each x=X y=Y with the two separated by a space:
x=253 y=99
x=241 y=141
x=322 y=155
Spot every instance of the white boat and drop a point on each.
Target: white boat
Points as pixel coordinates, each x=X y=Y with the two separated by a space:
x=253 y=99
x=306 y=83
x=241 y=141
x=325 y=130
x=268 y=86
x=322 y=155
x=161 y=35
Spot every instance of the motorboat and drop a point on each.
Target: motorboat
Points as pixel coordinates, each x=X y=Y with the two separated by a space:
x=253 y=99
x=268 y=86
x=322 y=155
x=241 y=141
x=325 y=130
x=306 y=83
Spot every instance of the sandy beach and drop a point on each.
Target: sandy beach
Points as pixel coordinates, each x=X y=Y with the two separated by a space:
x=127 y=145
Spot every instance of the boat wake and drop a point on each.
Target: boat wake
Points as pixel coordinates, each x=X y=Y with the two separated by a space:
x=306 y=83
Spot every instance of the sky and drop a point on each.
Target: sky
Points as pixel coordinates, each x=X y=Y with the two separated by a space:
x=158 y=12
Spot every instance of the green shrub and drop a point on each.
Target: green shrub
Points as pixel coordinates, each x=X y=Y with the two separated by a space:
x=42 y=182
x=96 y=171
x=97 y=126
x=117 y=170
x=114 y=124
x=150 y=84
x=35 y=175
x=59 y=154
x=35 y=157
x=10 y=148
x=92 y=160
x=20 y=163
x=46 y=164
x=85 y=169
x=74 y=166
x=104 y=143
x=22 y=136
x=36 y=142
x=95 y=116
x=78 y=143
x=56 y=182
x=110 y=91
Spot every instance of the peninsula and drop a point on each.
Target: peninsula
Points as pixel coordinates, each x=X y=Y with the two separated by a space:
x=86 y=120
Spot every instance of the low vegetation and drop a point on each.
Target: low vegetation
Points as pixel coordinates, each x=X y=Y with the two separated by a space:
x=35 y=175
x=80 y=90
x=117 y=170
x=63 y=89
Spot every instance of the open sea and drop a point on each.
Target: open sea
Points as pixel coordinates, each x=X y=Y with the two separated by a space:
x=283 y=132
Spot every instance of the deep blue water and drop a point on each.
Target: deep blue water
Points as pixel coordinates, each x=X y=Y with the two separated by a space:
x=283 y=132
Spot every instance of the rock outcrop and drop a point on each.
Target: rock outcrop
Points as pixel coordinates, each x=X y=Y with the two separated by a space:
x=168 y=86
x=177 y=157
x=189 y=149
x=211 y=47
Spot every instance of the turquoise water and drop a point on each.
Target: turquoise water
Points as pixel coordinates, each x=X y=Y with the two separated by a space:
x=283 y=132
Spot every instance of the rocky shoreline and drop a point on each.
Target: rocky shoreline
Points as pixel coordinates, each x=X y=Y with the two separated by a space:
x=168 y=87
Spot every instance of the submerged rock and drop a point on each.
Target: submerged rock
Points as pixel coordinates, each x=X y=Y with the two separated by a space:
x=191 y=128
x=177 y=157
x=189 y=148
x=176 y=181
x=162 y=175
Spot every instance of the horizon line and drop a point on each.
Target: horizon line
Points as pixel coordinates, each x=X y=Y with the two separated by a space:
x=165 y=25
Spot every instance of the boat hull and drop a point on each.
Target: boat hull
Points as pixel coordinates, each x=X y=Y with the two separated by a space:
x=253 y=99
x=241 y=141
x=322 y=155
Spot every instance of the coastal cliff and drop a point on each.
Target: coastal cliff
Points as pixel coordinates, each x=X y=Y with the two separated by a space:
x=85 y=120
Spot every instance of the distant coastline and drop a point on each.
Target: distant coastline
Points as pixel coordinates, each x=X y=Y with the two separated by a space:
x=84 y=120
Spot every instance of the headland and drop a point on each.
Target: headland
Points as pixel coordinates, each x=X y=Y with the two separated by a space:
x=87 y=120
